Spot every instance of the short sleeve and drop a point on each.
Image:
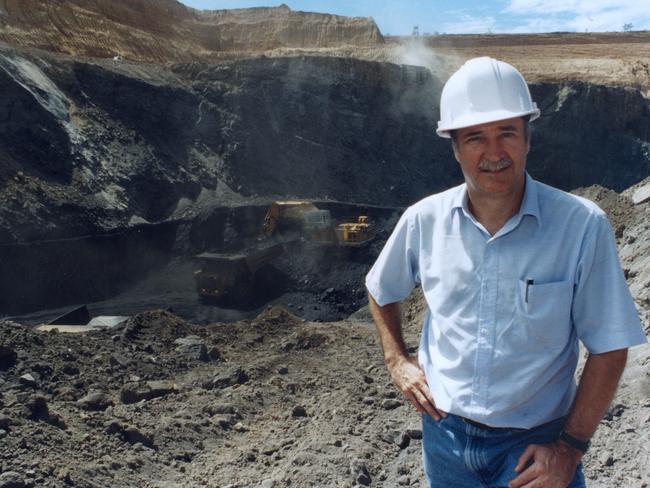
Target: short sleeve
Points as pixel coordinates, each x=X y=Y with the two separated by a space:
x=603 y=310
x=395 y=273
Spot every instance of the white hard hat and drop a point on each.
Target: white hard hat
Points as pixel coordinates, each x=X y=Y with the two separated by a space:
x=483 y=90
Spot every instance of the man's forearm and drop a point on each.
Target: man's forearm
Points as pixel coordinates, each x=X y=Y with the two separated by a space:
x=389 y=327
x=554 y=464
x=596 y=389
x=405 y=371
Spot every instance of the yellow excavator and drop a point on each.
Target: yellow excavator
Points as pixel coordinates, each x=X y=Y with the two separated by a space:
x=315 y=224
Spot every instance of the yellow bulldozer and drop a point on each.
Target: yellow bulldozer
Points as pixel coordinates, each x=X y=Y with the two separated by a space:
x=355 y=233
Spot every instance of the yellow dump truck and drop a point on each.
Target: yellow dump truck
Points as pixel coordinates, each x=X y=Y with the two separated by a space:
x=226 y=278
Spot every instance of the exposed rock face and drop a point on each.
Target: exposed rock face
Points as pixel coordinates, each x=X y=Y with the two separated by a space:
x=166 y=30
x=133 y=146
x=590 y=134
x=91 y=147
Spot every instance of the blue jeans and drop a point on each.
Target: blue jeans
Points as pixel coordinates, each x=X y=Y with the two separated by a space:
x=462 y=455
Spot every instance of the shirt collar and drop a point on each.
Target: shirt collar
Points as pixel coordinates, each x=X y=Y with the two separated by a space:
x=529 y=203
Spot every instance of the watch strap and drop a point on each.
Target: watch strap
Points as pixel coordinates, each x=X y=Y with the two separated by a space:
x=568 y=439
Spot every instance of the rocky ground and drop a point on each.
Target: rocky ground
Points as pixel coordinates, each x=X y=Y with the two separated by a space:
x=276 y=401
x=270 y=402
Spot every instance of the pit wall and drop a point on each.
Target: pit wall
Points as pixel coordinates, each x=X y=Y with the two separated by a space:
x=88 y=147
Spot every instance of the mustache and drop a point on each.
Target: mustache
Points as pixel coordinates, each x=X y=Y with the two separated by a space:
x=486 y=165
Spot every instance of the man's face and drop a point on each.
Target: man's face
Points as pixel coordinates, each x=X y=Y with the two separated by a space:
x=492 y=157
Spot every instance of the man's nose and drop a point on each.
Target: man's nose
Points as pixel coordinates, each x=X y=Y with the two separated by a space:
x=494 y=149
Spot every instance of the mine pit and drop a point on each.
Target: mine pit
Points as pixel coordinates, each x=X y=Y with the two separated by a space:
x=316 y=276
x=138 y=164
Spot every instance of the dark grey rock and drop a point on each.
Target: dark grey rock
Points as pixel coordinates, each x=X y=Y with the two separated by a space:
x=28 y=380
x=397 y=437
x=70 y=369
x=403 y=480
x=270 y=449
x=359 y=472
x=95 y=400
x=13 y=479
x=606 y=459
x=414 y=432
x=138 y=391
x=161 y=388
x=37 y=408
x=192 y=347
x=220 y=408
x=232 y=376
x=390 y=403
x=133 y=393
x=8 y=357
x=298 y=411
x=214 y=354
x=118 y=360
x=129 y=433
x=403 y=469
x=225 y=421
x=615 y=411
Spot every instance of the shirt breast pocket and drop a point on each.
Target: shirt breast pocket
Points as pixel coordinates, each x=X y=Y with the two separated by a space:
x=544 y=312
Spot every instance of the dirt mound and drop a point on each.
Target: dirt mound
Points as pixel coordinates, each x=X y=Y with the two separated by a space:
x=606 y=58
x=285 y=400
x=166 y=30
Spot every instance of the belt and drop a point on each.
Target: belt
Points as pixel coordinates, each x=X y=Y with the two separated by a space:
x=474 y=423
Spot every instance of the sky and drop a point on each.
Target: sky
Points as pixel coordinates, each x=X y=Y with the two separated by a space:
x=398 y=17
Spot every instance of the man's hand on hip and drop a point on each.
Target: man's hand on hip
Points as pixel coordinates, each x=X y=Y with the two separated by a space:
x=410 y=379
x=546 y=466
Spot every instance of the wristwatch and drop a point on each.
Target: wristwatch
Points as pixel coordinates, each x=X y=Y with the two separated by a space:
x=568 y=439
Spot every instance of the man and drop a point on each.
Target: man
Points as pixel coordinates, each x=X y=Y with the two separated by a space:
x=514 y=273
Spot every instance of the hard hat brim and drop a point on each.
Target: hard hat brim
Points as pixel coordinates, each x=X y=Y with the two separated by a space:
x=471 y=120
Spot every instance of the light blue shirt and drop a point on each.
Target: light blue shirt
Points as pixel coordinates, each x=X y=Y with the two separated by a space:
x=500 y=341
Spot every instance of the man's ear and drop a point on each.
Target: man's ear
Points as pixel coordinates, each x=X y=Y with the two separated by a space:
x=455 y=149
